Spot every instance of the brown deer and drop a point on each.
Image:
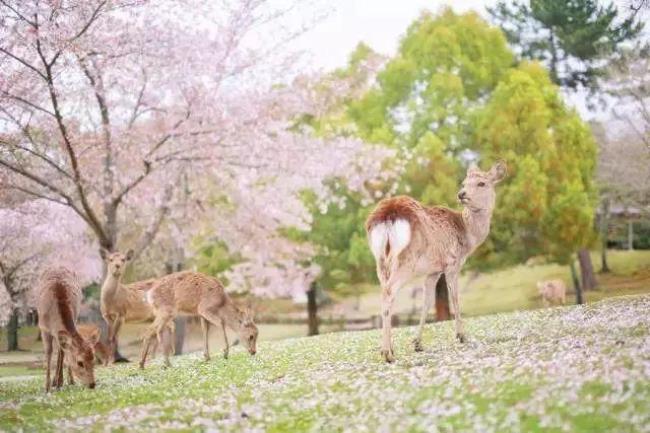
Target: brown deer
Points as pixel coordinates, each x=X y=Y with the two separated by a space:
x=91 y=333
x=58 y=307
x=195 y=294
x=122 y=302
x=552 y=291
x=411 y=243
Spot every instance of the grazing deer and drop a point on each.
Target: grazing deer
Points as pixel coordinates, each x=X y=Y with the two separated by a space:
x=91 y=333
x=411 y=242
x=58 y=307
x=122 y=302
x=196 y=294
x=552 y=291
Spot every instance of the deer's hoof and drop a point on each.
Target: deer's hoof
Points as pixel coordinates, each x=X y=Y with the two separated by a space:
x=206 y=358
x=388 y=355
x=461 y=338
x=225 y=355
x=417 y=345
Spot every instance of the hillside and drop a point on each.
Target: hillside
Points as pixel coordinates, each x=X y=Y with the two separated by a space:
x=580 y=369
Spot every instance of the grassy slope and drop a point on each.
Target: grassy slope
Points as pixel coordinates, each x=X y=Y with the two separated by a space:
x=581 y=369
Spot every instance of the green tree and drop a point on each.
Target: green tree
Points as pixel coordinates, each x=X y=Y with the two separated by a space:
x=547 y=207
x=577 y=39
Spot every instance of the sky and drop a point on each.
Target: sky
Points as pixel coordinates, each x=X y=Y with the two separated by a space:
x=378 y=23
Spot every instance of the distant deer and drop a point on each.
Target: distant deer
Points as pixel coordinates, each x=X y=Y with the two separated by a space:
x=122 y=302
x=412 y=243
x=58 y=308
x=552 y=291
x=195 y=294
x=91 y=333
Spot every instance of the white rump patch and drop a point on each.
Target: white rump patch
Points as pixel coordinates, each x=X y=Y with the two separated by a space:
x=397 y=234
x=378 y=237
x=149 y=297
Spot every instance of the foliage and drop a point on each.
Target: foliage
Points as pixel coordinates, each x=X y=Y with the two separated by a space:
x=214 y=258
x=547 y=206
x=577 y=39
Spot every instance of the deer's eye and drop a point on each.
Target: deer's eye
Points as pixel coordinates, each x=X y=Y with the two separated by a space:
x=481 y=184
x=80 y=364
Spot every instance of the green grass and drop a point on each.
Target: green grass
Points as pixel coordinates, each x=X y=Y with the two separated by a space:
x=577 y=369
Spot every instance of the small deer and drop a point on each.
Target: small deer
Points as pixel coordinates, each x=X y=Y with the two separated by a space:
x=122 y=302
x=91 y=333
x=195 y=294
x=411 y=243
x=58 y=308
x=552 y=291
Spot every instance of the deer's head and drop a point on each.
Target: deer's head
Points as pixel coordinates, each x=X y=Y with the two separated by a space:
x=116 y=262
x=248 y=332
x=80 y=357
x=477 y=190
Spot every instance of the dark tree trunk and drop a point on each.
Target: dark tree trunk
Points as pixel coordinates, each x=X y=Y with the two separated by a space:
x=576 y=283
x=180 y=324
x=587 y=274
x=604 y=236
x=442 y=300
x=12 y=331
x=312 y=311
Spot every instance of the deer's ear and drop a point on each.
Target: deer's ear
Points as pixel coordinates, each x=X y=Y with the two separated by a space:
x=104 y=253
x=129 y=254
x=473 y=167
x=65 y=341
x=499 y=171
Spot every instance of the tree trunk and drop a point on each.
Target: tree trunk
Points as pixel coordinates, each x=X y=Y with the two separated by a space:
x=604 y=236
x=630 y=235
x=312 y=311
x=12 y=331
x=588 y=276
x=180 y=324
x=442 y=300
x=576 y=284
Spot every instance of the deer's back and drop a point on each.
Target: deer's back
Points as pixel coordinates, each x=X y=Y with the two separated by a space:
x=58 y=287
x=186 y=290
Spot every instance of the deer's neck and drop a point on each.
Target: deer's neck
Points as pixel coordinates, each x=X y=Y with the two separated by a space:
x=232 y=317
x=477 y=223
x=110 y=287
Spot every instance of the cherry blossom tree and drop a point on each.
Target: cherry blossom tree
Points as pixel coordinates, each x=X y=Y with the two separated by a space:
x=105 y=103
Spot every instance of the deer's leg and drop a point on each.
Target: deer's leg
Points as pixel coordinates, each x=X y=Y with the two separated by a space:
x=387 y=297
x=149 y=338
x=47 y=345
x=452 y=284
x=205 y=327
x=58 y=378
x=225 y=340
x=115 y=329
x=168 y=338
x=213 y=317
x=70 y=378
x=429 y=299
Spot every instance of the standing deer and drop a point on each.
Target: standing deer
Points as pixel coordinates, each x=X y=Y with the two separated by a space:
x=58 y=307
x=552 y=291
x=122 y=302
x=411 y=243
x=195 y=294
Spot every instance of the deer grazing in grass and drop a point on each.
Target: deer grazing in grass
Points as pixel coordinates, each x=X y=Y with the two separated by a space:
x=58 y=307
x=119 y=302
x=411 y=243
x=195 y=294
